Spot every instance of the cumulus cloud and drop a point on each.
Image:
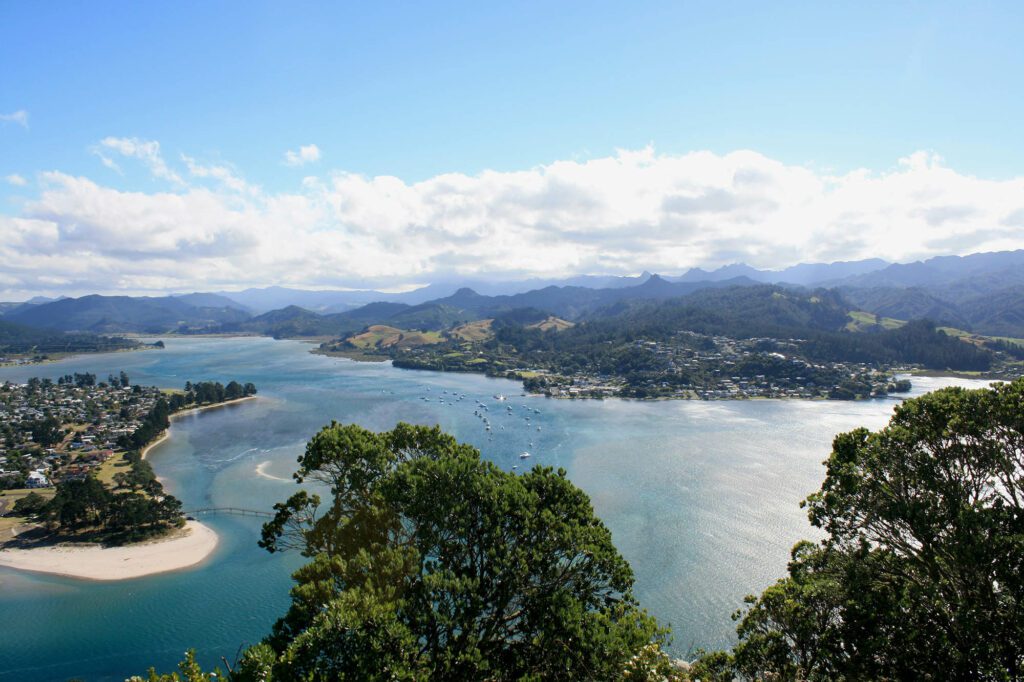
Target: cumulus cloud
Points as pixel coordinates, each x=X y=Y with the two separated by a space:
x=16 y=180
x=624 y=213
x=146 y=151
x=307 y=153
x=20 y=117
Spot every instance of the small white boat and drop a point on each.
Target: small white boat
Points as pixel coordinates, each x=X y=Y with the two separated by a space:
x=524 y=455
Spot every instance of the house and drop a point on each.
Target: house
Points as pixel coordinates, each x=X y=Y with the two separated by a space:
x=37 y=479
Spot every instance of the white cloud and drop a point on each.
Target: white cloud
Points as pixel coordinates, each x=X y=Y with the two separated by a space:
x=16 y=180
x=20 y=117
x=224 y=175
x=625 y=213
x=307 y=153
x=146 y=151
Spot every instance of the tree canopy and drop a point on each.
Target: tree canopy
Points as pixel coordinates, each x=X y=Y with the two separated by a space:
x=430 y=563
x=921 y=575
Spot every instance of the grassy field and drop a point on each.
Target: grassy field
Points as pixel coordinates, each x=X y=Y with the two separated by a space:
x=7 y=500
x=473 y=331
x=553 y=322
x=117 y=463
x=1009 y=339
x=383 y=336
x=862 y=321
x=977 y=339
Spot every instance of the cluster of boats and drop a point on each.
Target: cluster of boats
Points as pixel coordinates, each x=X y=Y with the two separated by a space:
x=483 y=412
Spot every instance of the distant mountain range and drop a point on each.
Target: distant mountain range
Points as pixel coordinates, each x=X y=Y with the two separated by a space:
x=110 y=314
x=981 y=292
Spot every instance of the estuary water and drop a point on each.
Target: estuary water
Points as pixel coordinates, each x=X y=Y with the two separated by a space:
x=702 y=498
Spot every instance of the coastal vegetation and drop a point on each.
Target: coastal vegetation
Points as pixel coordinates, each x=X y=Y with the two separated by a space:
x=920 y=573
x=428 y=563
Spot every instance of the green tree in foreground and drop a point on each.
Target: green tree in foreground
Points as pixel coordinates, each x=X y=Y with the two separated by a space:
x=922 y=572
x=430 y=563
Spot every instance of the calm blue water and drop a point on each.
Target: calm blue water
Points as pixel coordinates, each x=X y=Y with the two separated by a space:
x=702 y=498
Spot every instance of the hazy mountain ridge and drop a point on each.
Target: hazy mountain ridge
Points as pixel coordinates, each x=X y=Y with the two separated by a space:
x=106 y=314
x=981 y=292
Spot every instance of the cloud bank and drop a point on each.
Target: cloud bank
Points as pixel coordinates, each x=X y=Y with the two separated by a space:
x=209 y=228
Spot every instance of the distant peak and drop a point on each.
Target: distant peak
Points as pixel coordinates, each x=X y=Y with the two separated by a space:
x=465 y=291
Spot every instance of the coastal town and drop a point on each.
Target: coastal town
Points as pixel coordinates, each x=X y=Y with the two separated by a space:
x=688 y=366
x=65 y=429
x=697 y=367
x=79 y=429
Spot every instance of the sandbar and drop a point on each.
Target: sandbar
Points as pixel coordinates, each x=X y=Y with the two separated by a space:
x=189 y=547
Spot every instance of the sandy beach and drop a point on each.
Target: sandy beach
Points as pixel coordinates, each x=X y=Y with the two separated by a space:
x=93 y=562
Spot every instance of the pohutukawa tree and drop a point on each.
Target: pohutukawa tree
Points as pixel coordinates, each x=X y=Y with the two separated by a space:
x=922 y=572
x=430 y=563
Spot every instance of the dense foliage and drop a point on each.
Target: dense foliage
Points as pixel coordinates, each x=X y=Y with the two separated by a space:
x=137 y=510
x=921 y=575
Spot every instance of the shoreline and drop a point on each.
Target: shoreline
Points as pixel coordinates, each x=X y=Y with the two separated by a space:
x=192 y=410
x=107 y=564
x=214 y=406
x=357 y=356
x=61 y=356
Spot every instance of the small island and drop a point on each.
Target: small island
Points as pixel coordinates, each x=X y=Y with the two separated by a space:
x=77 y=496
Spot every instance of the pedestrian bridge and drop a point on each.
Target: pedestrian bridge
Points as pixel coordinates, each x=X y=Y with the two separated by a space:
x=237 y=511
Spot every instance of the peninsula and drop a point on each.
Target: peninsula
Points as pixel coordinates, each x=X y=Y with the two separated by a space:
x=77 y=497
x=730 y=343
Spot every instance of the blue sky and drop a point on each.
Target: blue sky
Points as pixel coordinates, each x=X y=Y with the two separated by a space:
x=417 y=90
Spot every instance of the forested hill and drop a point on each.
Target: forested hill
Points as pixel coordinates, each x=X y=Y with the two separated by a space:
x=817 y=319
x=738 y=312
x=16 y=339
